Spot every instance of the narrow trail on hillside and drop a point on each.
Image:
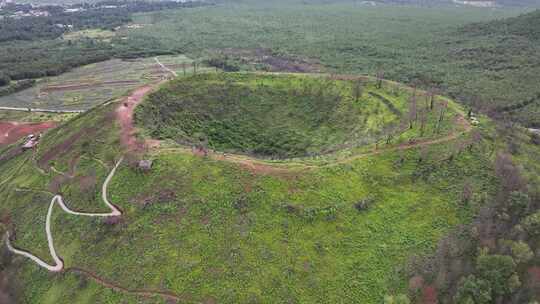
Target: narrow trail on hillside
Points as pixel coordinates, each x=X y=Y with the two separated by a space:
x=59 y=265
x=125 y=116
x=165 y=67
x=148 y=293
x=58 y=199
x=260 y=166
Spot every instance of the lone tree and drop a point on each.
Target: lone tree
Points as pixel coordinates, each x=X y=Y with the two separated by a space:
x=442 y=111
x=430 y=98
x=380 y=77
x=423 y=121
x=358 y=90
x=413 y=111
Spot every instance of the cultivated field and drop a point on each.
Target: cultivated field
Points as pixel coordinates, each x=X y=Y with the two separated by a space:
x=87 y=86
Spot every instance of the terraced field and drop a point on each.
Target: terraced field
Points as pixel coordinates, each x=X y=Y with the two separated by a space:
x=93 y=84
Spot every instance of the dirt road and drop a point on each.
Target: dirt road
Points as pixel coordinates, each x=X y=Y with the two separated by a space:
x=124 y=115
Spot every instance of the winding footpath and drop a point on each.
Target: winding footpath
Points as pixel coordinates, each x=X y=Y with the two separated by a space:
x=124 y=114
x=58 y=199
x=165 y=68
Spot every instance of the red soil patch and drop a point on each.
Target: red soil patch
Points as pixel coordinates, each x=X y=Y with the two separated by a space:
x=124 y=115
x=11 y=132
x=429 y=295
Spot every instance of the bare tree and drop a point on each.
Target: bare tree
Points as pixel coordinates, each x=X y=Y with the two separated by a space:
x=509 y=174
x=380 y=77
x=476 y=137
x=423 y=153
x=358 y=90
x=431 y=96
x=423 y=120
x=413 y=113
x=467 y=192
x=442 y=111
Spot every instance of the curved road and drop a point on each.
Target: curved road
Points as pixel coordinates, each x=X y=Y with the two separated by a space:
x=57 y=199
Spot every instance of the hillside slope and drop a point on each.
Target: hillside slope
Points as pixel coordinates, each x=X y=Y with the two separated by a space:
x=226 y=228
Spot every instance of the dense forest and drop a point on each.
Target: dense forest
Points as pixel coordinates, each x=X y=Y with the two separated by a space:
x=495 y=258
x=30 y=48
x=104 y=15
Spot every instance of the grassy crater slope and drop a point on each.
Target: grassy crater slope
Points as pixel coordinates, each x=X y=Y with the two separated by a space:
x=214 y=231
x=274 y=115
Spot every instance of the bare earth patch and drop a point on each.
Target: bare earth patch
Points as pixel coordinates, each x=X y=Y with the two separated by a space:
x=273 y=62
x=11 y=132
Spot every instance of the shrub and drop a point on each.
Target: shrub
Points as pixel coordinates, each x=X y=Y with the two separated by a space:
x=112 y=220
x=399 y=299
x=472 y=290
x=531 y=224
x=497 y=270
x=535 y=139
x=4 y=79
x=518 y=202
x=521 y=252
x=364 y=204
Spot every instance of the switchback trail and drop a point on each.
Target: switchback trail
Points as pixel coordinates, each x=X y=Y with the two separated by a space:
x=59 y=263
x=58 y=199
x=124 y=114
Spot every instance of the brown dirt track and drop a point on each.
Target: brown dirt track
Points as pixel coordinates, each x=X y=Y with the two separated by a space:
x=124 y=115
x=11 y=132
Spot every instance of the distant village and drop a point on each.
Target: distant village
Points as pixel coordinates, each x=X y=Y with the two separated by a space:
x=12 y=9
x=17 y=10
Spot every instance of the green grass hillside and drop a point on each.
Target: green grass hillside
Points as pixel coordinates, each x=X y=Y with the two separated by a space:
x=212 y=230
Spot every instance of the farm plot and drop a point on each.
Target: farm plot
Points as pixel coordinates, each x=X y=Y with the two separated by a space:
x=92 y=84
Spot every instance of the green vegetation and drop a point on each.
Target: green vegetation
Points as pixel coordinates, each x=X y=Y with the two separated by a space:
x=284 y=116
x=208 y=229
x=493 y=258
x=24 y=116
x=369 y=191
x=429 y=47
x=56 y=20
x=16 y=86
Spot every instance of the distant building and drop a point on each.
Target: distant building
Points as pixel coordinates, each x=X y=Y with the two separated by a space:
x=5 y=2
x=476 y=3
